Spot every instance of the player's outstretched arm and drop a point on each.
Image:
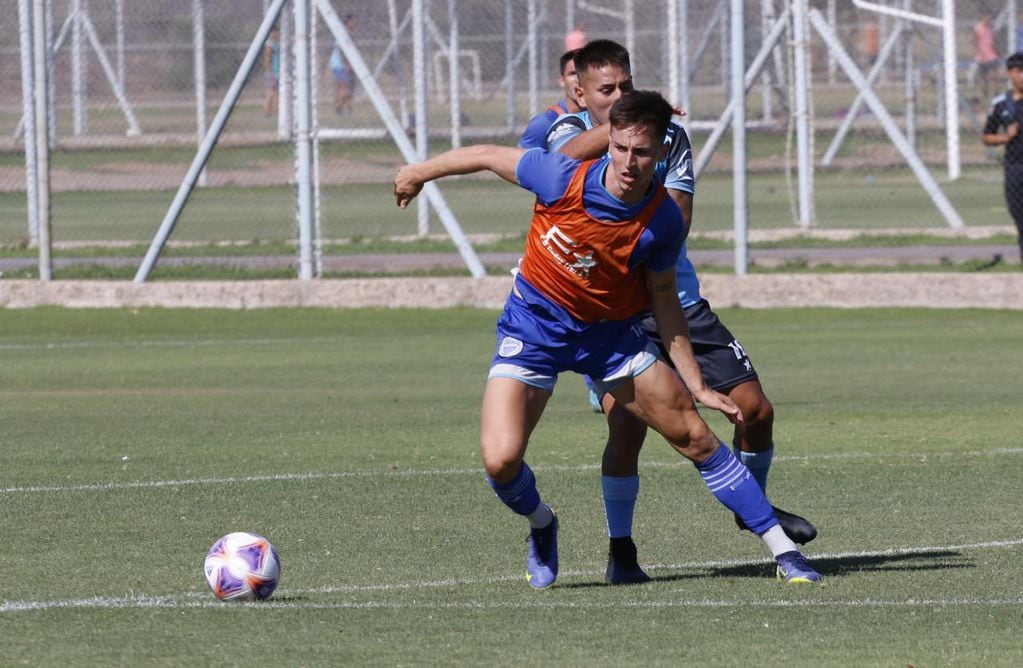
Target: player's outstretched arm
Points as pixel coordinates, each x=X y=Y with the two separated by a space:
x=501 y=160
x=674 y=332
x=588 y=144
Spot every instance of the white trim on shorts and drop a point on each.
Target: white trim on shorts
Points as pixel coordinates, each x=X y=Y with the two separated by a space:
x=527 y=376
x=639 y=363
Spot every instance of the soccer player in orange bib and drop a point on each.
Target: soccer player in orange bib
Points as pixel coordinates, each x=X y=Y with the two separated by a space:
x=600 y=252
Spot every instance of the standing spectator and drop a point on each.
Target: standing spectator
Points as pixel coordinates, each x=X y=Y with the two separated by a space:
x=344 y=78
x=985 y=54
x=575 y=39
x=535 y=134
x=272 y=71
x=870 y=42
x=1002 y=129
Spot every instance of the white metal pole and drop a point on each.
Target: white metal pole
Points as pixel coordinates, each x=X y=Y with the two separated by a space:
x=531 y=40
x=767 y=47
x=948 y=39
x=199 y=65
x=891 y=41
x=78 y=70
x=399 y=136
x=740 y=207
x=889 y=125
x=766 y=95
x=804 y=146
x=314 y=105
x=303 y=141
x=203 y=154
x=419 y=77
x=29 y=120
x=39 y=72
x=51 y=78
x=569 y=16
x=454 y=75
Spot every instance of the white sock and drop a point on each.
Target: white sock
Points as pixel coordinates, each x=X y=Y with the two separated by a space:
x=777 y=541
x=541 y=517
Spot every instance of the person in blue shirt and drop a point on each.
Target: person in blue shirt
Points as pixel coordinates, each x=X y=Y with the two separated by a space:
x=1002 y=129
x=600 y=254
x=271 y=71
x=344 y=78
x=604 y=72
x=535 y=134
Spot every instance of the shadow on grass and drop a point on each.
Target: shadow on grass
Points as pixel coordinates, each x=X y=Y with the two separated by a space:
x=935 y=560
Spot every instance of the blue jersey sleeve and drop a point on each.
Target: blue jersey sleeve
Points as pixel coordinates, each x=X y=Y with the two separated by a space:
x=545 y=174
x=563 y=129
x=535 y=135
x=661 y=242
x=678 y=173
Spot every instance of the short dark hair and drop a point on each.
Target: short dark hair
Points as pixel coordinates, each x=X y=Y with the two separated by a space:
x=566 y=58
x=642 y=108
x=1014 y=61
x=601 y=52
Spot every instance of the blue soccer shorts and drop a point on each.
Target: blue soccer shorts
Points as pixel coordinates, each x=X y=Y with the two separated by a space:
x=534 y=345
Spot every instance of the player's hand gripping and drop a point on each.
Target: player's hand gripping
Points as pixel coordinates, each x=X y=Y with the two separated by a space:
x=720 y=402
x=406 y=185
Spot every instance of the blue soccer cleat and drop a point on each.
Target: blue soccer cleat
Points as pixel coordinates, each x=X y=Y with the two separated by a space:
x=542 y=556
x=794 y=568
x=622 y=565
x=595 y=403
x=798 y=529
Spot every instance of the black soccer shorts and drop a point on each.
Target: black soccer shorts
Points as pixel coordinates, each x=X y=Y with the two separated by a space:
x=722 y=359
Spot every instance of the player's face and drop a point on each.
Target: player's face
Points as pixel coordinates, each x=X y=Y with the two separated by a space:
x=634 y=152
x=1016 y=77
x=568 y=80
x=601 y=87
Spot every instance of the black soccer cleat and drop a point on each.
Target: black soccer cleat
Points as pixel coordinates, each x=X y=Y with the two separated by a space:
x=798 y=529
x=622 y=565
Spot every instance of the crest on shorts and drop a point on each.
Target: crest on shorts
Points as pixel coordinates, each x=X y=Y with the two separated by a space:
x=510 y=347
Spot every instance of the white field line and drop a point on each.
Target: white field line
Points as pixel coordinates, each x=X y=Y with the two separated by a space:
x=387 y=473
x=203 y=600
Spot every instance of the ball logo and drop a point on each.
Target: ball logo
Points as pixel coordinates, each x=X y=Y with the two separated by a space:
x=510 y=347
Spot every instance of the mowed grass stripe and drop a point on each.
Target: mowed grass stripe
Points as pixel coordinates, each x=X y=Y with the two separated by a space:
x=196 y=599
x=431 y=473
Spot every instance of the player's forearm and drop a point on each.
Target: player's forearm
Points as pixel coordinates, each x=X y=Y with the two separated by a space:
x=673 y=329
x=997 y=139
x=587 y=145
x=468 y=160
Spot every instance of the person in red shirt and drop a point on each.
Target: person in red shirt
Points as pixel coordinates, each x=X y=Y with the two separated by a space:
x=601 y=251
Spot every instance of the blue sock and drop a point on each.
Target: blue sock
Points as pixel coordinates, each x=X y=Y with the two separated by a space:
x=520 y=493
x=619 y=503
x=758 y=463
x=732 y=484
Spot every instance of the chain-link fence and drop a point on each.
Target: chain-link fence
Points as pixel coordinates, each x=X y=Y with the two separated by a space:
x=126 y=77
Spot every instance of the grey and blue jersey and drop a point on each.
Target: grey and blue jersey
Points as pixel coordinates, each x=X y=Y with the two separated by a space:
x=675 y=171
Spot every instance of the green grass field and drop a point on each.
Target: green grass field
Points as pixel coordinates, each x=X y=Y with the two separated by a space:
x=133 y=439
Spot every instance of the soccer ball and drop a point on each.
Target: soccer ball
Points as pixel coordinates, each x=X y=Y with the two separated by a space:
x=241 y=567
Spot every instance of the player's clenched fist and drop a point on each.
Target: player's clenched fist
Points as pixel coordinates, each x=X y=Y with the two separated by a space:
x=406 y=185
